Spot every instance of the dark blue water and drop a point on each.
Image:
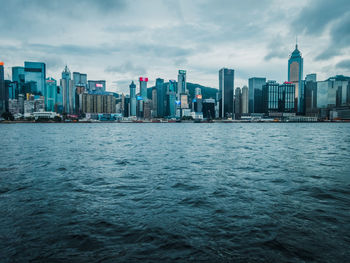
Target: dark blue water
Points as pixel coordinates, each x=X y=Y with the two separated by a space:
x=175 y=192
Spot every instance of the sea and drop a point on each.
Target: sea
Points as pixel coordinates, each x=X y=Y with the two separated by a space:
x=175 y=192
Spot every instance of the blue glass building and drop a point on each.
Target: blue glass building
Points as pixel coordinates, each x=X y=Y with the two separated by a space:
x=171 y=99
x=36 y=71
x=226 y=83
x=295 y=75
x=50 y=94
x=160 y=97
x=143 y=88
x=2 y=89
x=278 y=98
x=255 y=94
x=18 y=76
x=132 y=87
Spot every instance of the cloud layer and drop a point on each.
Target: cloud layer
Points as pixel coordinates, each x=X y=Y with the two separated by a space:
x=121 y=40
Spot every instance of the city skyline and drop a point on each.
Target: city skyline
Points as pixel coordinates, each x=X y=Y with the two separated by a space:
x=136 y=42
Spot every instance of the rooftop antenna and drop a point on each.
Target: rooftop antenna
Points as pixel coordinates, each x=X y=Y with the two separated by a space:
x=296 y=42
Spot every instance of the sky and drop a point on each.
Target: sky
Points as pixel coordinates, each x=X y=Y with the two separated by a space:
x=121 y=40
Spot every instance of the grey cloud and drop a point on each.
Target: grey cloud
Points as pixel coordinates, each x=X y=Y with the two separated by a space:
x=318 y=17
x=344 y=64
x=127 y=67
x=340 y=38
x=276 y=49
x=318 y=14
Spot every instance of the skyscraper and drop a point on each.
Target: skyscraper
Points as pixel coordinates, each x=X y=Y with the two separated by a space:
x=160 y=97
x=67 y=91
x=154 y=102
x=197 y=103
x=181 y=83
x=171 y=99
x=238 y=103
x=278 y=98
x=132 y=87
x=50 y=94
x=143 y=88
x=311 y=95
x=295 y=75
x=2 y=89
x=36 y=71
x=226 y=83
x=245 y=100
x=255 y=94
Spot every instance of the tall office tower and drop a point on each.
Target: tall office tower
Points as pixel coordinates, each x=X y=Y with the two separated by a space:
x=59 y=100
x=2 y=89
x=143 y=88
x=19 y=77
x=311 y=77
x=181 y=83
x=171 y=112
x=245 y=100
x=197 y=103
x=160 y=97
x=50 y=94
x=311 y=95
x=295 y=75
x=97 y=86
x=154 y=102
x=36 y=71
x=67 y=90
x=79 y=87
x=238 y=103
x=255 y=94
x=132 y=87
x=226 y=82
x=279 y=98
x=209 y=109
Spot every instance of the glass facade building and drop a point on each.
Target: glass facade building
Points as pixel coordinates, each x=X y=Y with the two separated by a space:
x=226 y=84
x=132 y=87
x=278 y=98
x=36 y=71
x=238 y=105
x=333 y=92
x=18 y=76
x=310 y=97
x=255 y=94
x=171 y=111
x=2 y=89
x=160 y=97
x=143 y=88
x=50 y=94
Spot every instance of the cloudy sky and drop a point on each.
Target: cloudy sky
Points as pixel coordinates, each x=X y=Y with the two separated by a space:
x=120 y=40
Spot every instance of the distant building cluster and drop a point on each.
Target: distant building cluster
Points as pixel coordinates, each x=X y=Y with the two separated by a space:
x=31 y=93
